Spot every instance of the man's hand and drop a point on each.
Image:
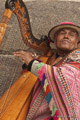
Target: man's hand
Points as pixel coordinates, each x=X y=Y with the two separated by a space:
x=26 y=56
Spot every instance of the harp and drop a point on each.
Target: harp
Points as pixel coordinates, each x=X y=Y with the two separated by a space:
x=19 y=97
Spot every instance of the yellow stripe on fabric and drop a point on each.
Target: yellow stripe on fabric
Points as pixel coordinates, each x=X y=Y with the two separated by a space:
x=45 y=85
x=59 y=118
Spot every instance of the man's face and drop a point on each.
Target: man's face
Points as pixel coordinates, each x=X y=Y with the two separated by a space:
x=66 y=39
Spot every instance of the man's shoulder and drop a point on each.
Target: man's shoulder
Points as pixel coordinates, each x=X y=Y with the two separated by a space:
x=76 y=53
x=75 y=56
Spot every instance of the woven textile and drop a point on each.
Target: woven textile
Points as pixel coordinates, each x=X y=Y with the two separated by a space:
x=61 y=86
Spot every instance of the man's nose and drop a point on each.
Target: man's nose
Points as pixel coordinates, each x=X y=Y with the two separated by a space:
x=66 y=35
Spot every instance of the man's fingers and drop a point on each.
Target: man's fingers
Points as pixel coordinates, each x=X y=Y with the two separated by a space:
x=18 y=55
x=19 y=52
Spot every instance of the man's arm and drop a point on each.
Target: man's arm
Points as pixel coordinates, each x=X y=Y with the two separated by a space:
x=60 y=85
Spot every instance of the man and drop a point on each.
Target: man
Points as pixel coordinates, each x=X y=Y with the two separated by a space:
x=59 y=78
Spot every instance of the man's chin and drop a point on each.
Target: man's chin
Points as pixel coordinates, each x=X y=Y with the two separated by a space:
x=65 y=49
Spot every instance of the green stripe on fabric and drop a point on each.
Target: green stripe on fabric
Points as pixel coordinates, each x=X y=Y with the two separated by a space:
x=53 y=110
x=40 y=65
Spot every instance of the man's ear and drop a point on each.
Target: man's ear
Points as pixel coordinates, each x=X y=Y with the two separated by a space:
x=78 y=40
x=55 y=40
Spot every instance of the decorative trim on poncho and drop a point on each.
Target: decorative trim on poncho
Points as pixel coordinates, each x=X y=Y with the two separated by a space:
x=48 y=95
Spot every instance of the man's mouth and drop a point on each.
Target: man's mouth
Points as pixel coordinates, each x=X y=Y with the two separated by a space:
x=66 y=41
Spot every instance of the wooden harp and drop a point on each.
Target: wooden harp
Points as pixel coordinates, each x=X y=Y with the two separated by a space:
x=19 y=94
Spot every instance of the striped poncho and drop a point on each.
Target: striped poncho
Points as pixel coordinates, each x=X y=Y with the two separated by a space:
x=61 y=85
